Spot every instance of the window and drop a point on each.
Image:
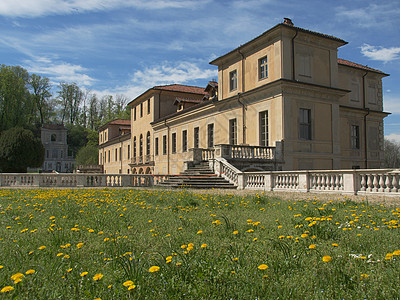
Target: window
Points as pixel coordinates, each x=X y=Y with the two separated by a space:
x=263 y=68
x=128 y=156
x=233 y=80
x=173 y=143
x=105 y=157
x=109 y=155
x=62 y=154
x=156 y=146
x=184 y=140
x=196 y=140
x=141 y=109
x=53 y=137
x=47 y=154
x=355 y=137
x=164 y=141
x=141 y=145
x=116 y=154
x=233 y=132
x=263 y=123
x=134 y=113
x=148 y=106
x=105 y=136
x=54 y=153
x=305 y=124
x=120 y=153
x=134 y=147
x=305 y=65
x=148 y=143
x=210 y=135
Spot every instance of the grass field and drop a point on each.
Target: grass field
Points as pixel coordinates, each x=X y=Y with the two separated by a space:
x=130 y=244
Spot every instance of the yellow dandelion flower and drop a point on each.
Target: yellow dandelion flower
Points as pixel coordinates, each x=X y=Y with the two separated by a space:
x=42 y=247
x=326 y=258
x=236 y=232
x=128 y=283
x=335 y=245
x=263 y=267
x=304 y=235
x=235 y=259
x=69 y=270
x=154 y=269
x=83 y=274
x=199 y=232
x=79 y=245
x=178 y=264
x=1 y=267
x=364 y=276
x=98 y=276
x=203 y=246
x=60 y=254
x=397 y=252
x=131 y=287
x=17 y=276
x=6 y=289
x=255 y=239
x=29 y=272
x=312 y=246
x=17 y=280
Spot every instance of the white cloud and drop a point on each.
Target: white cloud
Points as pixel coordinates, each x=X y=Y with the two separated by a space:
x=37 y=8
x=166 y=73
x=59 y=71
x=391 y=104
x=393 y=137
x=373 y=15
x=380 y=53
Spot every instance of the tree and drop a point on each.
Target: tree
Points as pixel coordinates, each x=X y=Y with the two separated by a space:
x=20 y=149
x=15 y=101
x=41 y=94
x=76 y=138
x=88 y=155
x=70 y=96
x=392 y=154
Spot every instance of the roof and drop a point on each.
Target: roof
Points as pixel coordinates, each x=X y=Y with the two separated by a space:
x=116 y=122
x=331 y=37
x=54 y=126
x=187 y=100
x=358 y=66
x=181 y=88
x=176 y=88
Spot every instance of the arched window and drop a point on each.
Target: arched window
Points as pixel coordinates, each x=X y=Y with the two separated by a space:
x=141 y=145
x=53 y=137
x=148 y=143
x=134 y=147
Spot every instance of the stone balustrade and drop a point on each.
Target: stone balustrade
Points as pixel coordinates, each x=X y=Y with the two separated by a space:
x=75 y=180
x=245 y=152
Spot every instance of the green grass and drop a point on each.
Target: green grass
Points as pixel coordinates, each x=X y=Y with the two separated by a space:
x=206 y=246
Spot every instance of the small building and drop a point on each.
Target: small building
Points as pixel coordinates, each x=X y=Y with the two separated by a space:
x=56 y=155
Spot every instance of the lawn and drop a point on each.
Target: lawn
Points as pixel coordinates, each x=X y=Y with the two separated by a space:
x=159 y=244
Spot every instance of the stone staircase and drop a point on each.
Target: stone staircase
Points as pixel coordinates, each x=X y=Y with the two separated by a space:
x=197 y=177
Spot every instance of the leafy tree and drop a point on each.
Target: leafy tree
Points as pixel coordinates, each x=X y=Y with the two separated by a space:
x=392 y=154
x=20 y=149
x=88 y=155
x=70 y=97
x=15 y=101
x=41 y=94
x=76 y=138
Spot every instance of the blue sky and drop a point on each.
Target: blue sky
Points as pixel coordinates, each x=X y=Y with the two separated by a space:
x=127 y=46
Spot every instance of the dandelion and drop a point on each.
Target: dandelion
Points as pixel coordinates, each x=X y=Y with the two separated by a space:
x=326 y=258
x=60 y=254
x=262 y=267
x=1 y=267
x=364 y=276
x=304 y=235
x=6 y=289
x=128 y=283
x=154 y=269
x=397 y=252
x=335 y=245
x=29 y=272
x=312 y=246
x=69 y=270
x=79 y=245
x=203 y=246
x=17 y=276
x=131 y=287
x=236 y=232
x=98 y=276
x=83 y=274
x=199 y=232
x=42 y=247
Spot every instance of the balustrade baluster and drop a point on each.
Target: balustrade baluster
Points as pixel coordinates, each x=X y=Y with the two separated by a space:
x=375 y=183
x=370 y=183
x=388 y=183
x=381 y=183
x=363 y=182
x=395 y=183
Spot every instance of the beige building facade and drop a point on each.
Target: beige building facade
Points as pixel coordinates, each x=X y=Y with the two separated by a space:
x=285 y=91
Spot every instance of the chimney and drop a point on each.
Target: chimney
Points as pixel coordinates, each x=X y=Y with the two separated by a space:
x=288 y=21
